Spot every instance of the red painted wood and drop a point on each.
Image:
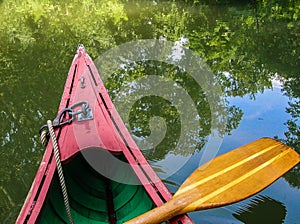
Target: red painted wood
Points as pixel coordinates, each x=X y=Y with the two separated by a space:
x=106 y=131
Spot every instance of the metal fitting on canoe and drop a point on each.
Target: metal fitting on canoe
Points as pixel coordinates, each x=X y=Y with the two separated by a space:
x=84 y=114
x=58 y=121
x=82 y=82
x=67 y=116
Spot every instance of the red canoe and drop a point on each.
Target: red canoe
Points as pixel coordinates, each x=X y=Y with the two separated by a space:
x=108 y=179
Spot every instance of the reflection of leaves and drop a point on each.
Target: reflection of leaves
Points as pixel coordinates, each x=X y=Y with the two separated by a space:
x=148 y=107
x=38 y=39
x=293 y=177
x=281 y=47
x=292 y=136
x=293 y=140
x=235 y=115
x=235 y=63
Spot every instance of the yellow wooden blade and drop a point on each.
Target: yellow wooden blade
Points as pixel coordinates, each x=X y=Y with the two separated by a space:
x=227 y=179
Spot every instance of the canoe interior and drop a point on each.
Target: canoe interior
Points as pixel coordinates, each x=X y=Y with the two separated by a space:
x=93 y=198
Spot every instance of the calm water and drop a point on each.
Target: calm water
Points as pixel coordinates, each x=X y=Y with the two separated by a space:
x=252 y=50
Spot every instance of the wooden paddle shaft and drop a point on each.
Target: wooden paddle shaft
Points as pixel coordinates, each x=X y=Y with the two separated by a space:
x=160 y=214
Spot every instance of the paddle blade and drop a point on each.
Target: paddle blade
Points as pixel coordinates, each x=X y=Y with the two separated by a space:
x=239 y=174
x=227 y=179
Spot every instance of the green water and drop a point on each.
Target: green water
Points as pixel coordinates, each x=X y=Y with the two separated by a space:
x=252 y=49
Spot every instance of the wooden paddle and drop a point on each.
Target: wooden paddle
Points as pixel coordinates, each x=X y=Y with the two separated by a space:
x=227 y=179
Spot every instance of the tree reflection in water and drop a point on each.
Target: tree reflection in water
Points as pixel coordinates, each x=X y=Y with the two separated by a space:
x=245 y=45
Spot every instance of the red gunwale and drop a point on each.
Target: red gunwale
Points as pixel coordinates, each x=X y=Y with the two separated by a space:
x=108 y=133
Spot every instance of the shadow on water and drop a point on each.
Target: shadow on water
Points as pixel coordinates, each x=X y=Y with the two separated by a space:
x=262 y=209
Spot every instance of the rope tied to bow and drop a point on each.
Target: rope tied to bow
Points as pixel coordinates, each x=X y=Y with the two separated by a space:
x=60 y=170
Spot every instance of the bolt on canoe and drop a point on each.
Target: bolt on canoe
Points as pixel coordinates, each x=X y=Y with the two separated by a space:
x=108 y=180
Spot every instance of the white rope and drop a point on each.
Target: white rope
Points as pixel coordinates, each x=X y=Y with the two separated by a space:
x=60 y=171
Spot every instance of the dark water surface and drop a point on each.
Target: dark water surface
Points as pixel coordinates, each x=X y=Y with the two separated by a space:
x=253 y=51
